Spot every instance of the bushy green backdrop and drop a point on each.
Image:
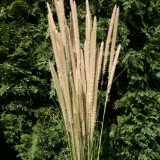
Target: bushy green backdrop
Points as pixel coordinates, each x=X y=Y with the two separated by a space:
x=30 y=120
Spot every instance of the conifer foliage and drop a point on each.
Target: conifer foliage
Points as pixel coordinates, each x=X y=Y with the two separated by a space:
x=30 y=121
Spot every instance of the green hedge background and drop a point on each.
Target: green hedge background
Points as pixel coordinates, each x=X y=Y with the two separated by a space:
x=30 y=120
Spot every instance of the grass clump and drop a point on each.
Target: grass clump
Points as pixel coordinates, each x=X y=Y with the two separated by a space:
x=76 y=75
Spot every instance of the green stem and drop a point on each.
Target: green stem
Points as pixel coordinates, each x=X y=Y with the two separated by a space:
x=104 y=111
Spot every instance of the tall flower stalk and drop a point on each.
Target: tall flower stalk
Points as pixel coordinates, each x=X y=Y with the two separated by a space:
x=77 y=72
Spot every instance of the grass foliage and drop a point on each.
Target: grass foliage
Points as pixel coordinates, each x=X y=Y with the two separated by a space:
x=76 y=75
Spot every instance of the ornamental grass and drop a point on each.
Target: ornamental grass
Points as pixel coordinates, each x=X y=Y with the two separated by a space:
x=76 y=74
